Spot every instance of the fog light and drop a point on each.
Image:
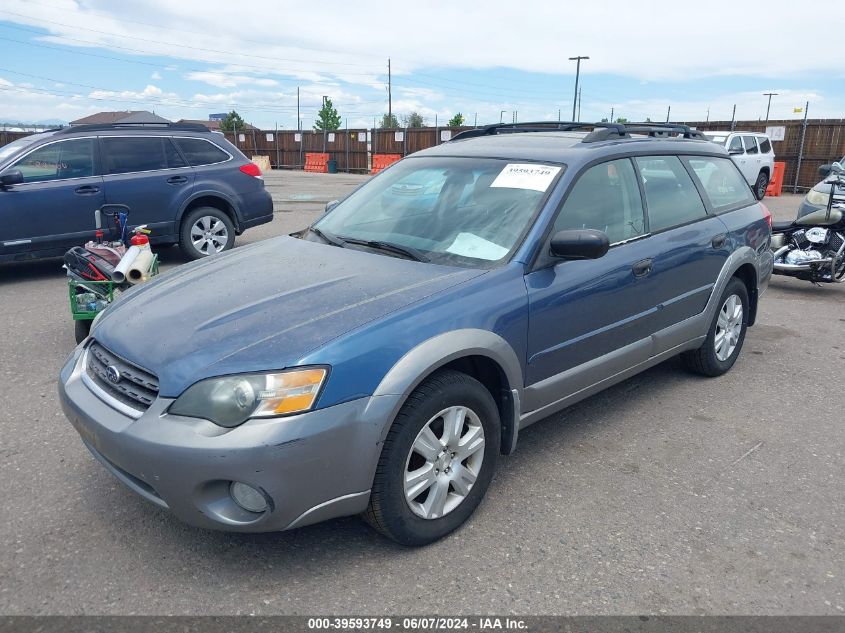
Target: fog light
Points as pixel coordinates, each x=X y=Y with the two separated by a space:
x=247 y=497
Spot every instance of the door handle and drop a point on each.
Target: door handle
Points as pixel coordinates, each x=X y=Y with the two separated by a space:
x=87 y=190
x=719 y=240
x=642 y=268
x=176 y=180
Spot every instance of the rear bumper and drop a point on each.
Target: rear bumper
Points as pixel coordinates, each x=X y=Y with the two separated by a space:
x=255 y=208
x=310 y=467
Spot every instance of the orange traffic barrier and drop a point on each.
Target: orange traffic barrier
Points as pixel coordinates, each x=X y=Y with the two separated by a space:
x=776 y=183
x=317 y=163
x=382 y=161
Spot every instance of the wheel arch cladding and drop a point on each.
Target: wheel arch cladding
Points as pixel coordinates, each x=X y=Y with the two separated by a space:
x=214 y=201
x=485 y=356
x=747 y=274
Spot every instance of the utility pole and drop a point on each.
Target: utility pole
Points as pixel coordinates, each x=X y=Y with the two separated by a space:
x=667 y=113
x=707 y=120
x=733 y=119
x=389 y=93
x=501 y=115
x=558 y=115
x=611 y=115
x=297 y=113
x=577 y=60
x=769 y=105
x=476 y=120
x=579 y=105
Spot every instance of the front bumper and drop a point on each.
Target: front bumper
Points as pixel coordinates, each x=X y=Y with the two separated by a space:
x=310 y=467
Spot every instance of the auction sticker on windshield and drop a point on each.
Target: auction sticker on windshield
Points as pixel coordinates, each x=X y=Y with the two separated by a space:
x=526 y=176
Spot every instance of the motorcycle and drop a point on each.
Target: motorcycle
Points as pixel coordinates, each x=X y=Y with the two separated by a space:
x=812 y=247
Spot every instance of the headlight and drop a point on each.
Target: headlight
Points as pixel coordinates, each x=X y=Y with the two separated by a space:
x=231 y=400
x=817 y=198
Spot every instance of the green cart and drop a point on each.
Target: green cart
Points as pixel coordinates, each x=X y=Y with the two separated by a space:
x=89 y=298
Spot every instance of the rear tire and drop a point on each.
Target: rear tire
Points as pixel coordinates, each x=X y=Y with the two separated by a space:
x=761 y=185
x=417 y=499
x=724 y=340
x=206 y=231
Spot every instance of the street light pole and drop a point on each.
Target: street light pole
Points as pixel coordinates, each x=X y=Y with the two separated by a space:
x=768 y=107
x=502 y=115
x=577 y=61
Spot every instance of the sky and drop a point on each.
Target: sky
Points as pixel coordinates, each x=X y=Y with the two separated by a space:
x=64 y=59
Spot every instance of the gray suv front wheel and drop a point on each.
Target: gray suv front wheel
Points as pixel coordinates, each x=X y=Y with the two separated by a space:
x=206 y=231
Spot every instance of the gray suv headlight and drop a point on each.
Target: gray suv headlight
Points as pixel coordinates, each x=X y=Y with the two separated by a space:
x=818 y=198
x=231 y=400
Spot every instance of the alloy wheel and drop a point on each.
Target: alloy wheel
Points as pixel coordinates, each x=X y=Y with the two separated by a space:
x=209 y=235
x=444 y=462
x=728 y=328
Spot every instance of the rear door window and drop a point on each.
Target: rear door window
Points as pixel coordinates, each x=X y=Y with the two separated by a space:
x=126 y=155
x=671 y=196
x=606 y=197
x=201 y=152
x=73 y=158
x=750 y=144
x=723 y=183
x=765 y=144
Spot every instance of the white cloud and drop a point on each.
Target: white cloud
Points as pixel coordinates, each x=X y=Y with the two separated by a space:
x=226 y=80
x=156 y=76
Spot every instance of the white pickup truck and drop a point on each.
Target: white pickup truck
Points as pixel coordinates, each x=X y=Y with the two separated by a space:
x=752 y=152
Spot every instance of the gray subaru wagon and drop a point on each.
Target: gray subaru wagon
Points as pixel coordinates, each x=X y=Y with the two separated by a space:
x=380 y=360
x=190 y=186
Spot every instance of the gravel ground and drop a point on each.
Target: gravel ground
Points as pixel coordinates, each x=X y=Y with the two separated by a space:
x=668 y=493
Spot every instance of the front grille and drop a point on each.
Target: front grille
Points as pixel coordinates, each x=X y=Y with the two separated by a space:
x=120 y=379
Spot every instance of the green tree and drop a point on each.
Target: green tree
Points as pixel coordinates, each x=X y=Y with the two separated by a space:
x=456 y=121
x=232 y=122
x=415 y=119
x=389 y=121
x=327 y=117
x=621 y=119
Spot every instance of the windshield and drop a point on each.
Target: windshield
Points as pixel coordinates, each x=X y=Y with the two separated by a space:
x=451 y=211
x=14 y=146
x=716 y=138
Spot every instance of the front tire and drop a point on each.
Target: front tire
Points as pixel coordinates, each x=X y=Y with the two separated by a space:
x=206 y=231
x=437 y=461
x=724 y=340
x=761 y=185
x=81 y=329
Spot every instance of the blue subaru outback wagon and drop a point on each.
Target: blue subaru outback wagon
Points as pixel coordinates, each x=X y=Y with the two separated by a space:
x=189 y=185
x=380 y=360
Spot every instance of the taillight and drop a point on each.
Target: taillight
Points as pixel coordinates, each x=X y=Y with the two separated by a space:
x=251 y=169
x=767 y=215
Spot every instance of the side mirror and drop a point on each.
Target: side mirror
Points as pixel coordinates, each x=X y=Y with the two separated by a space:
x=579 y=244
x=824 y=170
x=331 y=205
x=735 y=151
x=11 y=177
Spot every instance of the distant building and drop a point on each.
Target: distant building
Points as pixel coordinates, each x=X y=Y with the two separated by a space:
x=125 y=116
x=214 y=124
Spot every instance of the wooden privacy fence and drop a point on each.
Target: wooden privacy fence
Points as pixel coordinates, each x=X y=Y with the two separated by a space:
x=824 y=142
x=352 y=149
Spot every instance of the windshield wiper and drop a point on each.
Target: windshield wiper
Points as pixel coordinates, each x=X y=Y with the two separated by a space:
x=328 y=238
x=406 y=251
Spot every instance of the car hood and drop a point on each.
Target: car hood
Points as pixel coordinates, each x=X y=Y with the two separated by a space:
x=260 y=307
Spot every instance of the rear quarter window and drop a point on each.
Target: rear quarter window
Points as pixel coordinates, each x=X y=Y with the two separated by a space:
x=765 y=144
x=723 y=184
x=198 y=151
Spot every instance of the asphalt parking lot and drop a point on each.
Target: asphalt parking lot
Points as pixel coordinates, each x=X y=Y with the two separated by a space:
x=668 y=493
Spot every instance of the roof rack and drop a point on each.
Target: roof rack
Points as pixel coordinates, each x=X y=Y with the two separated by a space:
x=98 y=127
x=602 y=131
